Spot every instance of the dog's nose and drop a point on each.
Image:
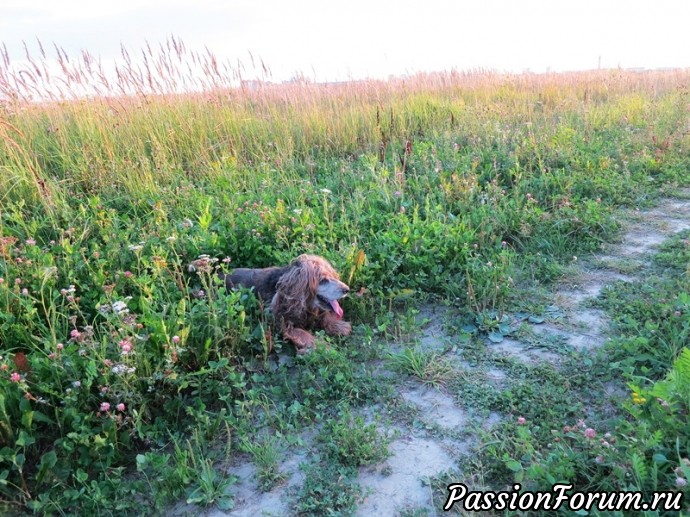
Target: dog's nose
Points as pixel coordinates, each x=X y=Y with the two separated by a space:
x=345 y=290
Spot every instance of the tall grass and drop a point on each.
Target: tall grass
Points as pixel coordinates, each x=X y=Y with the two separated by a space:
x=156 y=119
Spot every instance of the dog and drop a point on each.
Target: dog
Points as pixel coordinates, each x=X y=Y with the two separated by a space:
x=302 y=295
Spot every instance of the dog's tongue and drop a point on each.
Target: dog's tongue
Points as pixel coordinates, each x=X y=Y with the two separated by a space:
x=337 y=309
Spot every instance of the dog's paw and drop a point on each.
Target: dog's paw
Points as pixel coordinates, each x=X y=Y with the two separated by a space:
x=344 y=328
x=335 y=327
x=303 y=340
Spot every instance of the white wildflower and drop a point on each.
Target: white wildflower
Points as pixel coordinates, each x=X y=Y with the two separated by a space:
x=120 y=307
x=120 y=369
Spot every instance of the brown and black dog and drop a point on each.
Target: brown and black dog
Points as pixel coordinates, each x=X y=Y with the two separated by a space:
x=302 y=295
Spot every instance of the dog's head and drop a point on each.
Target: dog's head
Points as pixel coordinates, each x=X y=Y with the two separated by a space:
x=312 y=283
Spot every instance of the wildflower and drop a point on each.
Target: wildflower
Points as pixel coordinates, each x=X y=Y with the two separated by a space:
x=590 y=433
x=176 y=339
x=326 y=191
x=17 y=281
x=2 y=280
x=171 y=238
x=638 y=399
x=159 y=261
x=76 y=384
x=30 y=242
x=105 y=407
x=120 y=407
x=397 y=193
x=297 y=211
x=681 y=482
x=120 y=307
x=120 y=369
x=203 y=264
x=25 y=292
x=599 y=460
x=227 y=260
x=15 y=377
x=136 y=247
x=52 y=355
x=126 y=346
x=521 y=420
x=187 y=223
x=75 y=334
x=128 y=274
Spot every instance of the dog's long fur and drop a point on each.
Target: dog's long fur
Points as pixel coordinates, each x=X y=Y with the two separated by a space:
x=302 y=295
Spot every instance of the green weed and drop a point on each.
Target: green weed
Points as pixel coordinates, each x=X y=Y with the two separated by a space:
x=429 y=367
x=352 y=443
x=266 y=457
x=328 y=489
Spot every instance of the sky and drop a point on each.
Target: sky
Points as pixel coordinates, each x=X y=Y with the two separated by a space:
x=331 y=40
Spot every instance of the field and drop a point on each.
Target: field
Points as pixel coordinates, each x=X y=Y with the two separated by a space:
x=468 y=213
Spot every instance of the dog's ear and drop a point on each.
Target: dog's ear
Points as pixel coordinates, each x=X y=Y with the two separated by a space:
x=296 y=289
x=301 y=280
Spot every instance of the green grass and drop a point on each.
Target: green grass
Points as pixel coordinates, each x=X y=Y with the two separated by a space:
x=471 y=189
x=428 y=367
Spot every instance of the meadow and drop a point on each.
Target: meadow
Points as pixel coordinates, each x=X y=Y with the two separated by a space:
x=126 y=380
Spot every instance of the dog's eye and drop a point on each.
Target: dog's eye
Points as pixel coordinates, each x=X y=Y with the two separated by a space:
x=323 y=281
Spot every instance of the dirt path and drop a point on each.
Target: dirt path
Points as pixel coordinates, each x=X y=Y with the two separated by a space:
x=438 y=431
